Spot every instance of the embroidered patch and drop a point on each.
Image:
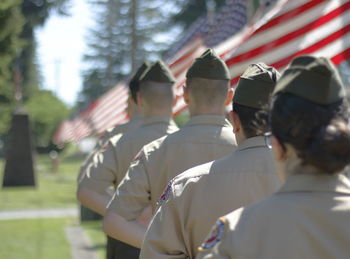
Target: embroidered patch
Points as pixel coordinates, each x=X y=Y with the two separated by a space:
x=165 y=194
x=215 y=235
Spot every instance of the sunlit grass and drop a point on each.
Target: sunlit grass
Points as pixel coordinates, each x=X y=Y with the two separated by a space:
x=54 y=189
x=94 y=231
x=35 y=238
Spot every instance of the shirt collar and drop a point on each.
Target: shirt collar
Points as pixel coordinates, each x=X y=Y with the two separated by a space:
x=305 y=182
x=156 y=120
x=253 y=142
x=209 y=120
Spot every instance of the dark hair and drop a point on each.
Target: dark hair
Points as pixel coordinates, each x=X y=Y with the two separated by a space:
x=319 y=133
x=253 y=120
x=134 y=86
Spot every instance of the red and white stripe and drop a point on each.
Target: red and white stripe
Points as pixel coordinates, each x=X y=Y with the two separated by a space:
x=318 y=27
x=290 y=29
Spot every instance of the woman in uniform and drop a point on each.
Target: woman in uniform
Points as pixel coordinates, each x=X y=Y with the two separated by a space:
x=309 y=216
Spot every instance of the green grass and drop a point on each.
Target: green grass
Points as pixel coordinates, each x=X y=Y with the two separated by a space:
x=94 y=231
x=54 y=189
x=35 y=239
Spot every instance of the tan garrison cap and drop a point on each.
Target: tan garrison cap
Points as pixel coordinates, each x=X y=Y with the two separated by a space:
x=158 y=72
x=209 y=66
x=314 y=79
x=256 y=85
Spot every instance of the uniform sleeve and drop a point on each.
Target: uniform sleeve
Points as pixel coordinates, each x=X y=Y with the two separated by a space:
x=220 y=243
x=100 y=173
x=164 y=237
x=133 y=193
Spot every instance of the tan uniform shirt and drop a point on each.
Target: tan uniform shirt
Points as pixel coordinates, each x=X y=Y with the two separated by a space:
x=203 y=139
x=110 y=166
x=131 y=125
x=307 y=218
x=200 y=195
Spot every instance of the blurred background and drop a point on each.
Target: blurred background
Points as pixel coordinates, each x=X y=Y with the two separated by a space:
x=65 y=63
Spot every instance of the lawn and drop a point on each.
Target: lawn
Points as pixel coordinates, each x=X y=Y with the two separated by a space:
x=54 y=189
x=93 y=229
x=35 y=238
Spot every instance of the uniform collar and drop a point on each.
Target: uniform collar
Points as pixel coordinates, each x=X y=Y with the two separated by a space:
x=305 y=182
x=253 y=142
x=156 y=120
x=208 y=120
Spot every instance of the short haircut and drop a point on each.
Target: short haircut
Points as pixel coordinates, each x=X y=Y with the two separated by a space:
x=253 y=120
x=157 y=95
x=208 y=91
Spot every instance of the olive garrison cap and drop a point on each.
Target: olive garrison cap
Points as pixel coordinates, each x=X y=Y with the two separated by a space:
x=209 y=66
x=311 y=78
x=158 y=72
x=256 y=85
x=141 y=70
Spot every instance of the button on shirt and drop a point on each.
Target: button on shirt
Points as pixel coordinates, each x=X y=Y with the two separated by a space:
x=110 y=166
x=307 y=218
x=202 y=194
x=203 y=139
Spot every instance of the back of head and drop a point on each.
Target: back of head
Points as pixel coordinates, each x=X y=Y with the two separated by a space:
x=207 y=80
x=156 y=87
x=310 y=113
x=134 y=84
x=252 y=96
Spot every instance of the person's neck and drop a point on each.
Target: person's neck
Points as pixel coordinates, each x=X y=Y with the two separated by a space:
x=160 y=113
x=240 y=137
x=204 y=111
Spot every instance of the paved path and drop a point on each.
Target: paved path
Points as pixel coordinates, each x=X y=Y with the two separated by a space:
x=81 y=247
x=39 y=213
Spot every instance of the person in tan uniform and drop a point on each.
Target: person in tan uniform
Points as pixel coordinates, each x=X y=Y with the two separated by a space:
x=207 y=136
x=109 y=167
x=309 y=216
x=197 y=197
x=134 y=112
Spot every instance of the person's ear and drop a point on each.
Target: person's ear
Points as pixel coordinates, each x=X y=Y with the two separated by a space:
x=278 y=149
x=186 y=94
x=229 y=96
x=139 y=99
x=236 y=122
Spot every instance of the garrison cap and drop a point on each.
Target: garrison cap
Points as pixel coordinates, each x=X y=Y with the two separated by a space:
x=256 y=85
x=134 y=84
x=209 y=66
x=312 y=78
x=158 y=72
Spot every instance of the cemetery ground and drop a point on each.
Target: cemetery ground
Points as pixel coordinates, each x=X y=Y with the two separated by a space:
x=45 y=236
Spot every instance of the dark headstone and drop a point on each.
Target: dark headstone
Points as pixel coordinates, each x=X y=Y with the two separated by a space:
x=19 y=169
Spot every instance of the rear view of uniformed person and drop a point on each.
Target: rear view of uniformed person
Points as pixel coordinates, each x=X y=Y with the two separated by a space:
x=134 y=111
x=197 y=197
x=309 y=216
x=207 y=136
x=109 y=167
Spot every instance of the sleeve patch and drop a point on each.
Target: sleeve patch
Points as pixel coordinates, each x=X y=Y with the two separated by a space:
x=165 y=194
x=215 y=235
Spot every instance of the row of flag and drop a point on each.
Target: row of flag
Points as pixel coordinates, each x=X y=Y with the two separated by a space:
x=275 y=36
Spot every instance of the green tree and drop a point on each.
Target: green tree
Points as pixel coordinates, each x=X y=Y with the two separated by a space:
x=191 y=10
x=11 y=23
x=46 y=112
x=127 y=32
x=35 y=12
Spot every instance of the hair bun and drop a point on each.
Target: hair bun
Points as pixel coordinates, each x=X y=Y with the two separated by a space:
x=332 y=146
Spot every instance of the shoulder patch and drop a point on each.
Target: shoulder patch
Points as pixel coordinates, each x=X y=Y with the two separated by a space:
x=165 y=194
x=215 y=235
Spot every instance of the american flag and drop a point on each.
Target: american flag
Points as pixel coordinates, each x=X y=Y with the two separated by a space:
x=289 y=29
